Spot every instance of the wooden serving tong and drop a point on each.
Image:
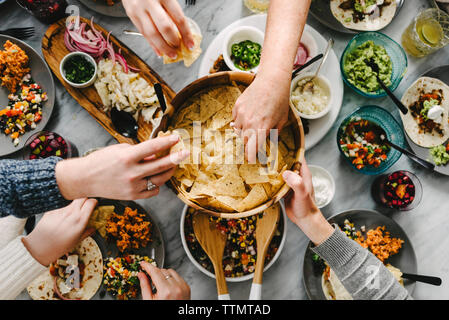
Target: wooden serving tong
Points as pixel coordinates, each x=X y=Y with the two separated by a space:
x=213 y=243
x=265 y=229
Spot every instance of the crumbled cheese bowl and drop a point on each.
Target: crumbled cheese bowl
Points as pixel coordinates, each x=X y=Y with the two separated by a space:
x=323 y=185
x=310 y=104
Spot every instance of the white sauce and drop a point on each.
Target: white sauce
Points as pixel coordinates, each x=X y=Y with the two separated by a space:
x=436 y=114
x=322 y=187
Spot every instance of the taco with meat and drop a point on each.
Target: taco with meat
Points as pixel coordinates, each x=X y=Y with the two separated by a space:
x=364 y=15
x=75 y=276
x=426 y=123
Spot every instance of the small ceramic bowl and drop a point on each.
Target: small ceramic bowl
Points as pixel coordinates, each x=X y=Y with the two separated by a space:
x=89 y=59
x=326 y=85
x=394 y=51
x=237 y=35
x=233 y=279
x=388 y=123
x=316 y=170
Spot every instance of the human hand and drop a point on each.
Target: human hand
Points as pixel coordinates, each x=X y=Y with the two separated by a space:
x=264 y=105
x=160 y=22
x=119 y=171
x=59 y=231
x=301 y=208
x=168 y=283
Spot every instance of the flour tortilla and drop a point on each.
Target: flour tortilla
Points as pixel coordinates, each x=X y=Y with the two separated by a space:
x=333 y=289
x=89 y=252
x=425 y=84
x=367 y=24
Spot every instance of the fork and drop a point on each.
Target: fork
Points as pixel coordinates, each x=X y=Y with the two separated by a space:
x=190 y=2
x=20 y=33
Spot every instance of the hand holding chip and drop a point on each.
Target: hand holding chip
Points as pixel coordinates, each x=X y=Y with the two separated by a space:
x=300 y=206
x=160 y=22
x=120 y=171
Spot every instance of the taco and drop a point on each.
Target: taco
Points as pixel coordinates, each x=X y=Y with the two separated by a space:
x=364 y=15
x=60 y=280
x=426 y=123
x=333 y=289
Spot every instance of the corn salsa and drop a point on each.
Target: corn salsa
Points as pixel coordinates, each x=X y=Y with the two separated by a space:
x=240 y=255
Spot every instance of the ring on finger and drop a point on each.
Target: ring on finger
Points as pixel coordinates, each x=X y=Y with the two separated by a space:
x=150 y=185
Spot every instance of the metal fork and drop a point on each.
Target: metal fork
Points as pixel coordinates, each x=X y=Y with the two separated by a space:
x=190 y=2
x=20 y=33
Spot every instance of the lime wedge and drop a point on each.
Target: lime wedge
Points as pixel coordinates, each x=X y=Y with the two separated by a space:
x=431 y=32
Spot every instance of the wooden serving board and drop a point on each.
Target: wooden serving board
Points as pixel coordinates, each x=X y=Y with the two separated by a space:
x=54 y=49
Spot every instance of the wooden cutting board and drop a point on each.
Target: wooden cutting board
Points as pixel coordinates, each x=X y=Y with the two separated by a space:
x=54 y=49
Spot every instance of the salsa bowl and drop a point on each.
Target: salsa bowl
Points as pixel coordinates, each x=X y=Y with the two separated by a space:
x=382 y=118
x=187 y=244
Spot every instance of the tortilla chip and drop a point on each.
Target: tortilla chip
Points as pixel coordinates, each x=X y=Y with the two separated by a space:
x=183 y=53
x=254 y=198
x=226 y=95
x=209 y=106
x=99 y=218
x=230 y=202
x=252 y=174
x=229 y=185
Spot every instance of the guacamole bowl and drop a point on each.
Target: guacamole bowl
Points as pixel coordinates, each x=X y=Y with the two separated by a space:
x=372 y=45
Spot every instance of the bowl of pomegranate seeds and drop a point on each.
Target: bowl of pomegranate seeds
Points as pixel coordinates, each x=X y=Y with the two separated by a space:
x=399 y=190
x=46 y=144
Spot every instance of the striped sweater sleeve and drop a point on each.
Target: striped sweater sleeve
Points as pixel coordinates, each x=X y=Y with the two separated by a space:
x=17 y=269
x=29 y=187
x=361 y=273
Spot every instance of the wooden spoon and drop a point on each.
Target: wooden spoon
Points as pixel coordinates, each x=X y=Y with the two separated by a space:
x=213 y=243
x=265 y=229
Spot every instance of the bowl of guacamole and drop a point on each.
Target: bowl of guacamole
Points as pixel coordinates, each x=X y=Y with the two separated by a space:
x=385 y=52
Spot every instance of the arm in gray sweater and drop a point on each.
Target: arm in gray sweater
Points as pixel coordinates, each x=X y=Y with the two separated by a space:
x=29 y=187
x=361 y=273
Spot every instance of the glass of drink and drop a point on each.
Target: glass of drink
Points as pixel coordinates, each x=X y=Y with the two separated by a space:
x=427 y=33
x=47 y=11
x=257 y=6
x=46 y=144
x=399 y=190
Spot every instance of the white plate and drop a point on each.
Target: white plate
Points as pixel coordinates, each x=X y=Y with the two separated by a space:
x=331 y=69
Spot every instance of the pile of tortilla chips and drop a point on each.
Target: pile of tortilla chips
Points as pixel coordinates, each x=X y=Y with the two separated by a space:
x=217 y=176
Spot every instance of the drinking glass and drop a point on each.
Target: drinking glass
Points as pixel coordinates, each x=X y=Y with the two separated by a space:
x=428 y=32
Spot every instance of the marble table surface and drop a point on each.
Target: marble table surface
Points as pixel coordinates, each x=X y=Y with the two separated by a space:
x=427 y=226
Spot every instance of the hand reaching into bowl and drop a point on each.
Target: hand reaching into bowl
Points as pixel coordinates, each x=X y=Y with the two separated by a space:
x=160 y=22
x=122 y=171
x=59 y=231
x=265 y=103
x=169 y=284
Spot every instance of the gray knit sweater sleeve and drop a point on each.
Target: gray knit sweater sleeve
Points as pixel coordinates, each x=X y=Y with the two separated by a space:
x=29 y=187
x=361 y=273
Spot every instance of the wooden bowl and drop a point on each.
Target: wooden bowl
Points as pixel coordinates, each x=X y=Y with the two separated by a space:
x=242 y=80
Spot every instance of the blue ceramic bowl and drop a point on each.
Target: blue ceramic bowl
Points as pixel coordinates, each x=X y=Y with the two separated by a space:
x=394 y=50
x=385 y=120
